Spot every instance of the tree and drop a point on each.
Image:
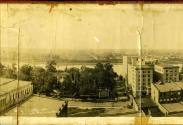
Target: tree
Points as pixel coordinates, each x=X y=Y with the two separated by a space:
x=10 y=73
x=38 y=79
x=67 y=83
x=104 y=76
x=74 y=80
x=110 y=76
x=50 y=82
x=14 y=68
x=99 y=75
x=51 y=66
x=87 y=81
x=50 y=77
x=1 y=69
x=25 y=72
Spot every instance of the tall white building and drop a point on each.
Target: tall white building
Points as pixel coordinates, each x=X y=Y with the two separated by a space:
x=140 y=78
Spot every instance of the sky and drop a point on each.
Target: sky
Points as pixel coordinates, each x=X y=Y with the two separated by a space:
x=92 y=26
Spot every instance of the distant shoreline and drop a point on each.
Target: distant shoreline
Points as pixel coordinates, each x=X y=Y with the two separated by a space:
x=64 y=63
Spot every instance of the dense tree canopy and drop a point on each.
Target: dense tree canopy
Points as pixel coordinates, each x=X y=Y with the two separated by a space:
x=10 y=72
x=38 y=78
x=75 y=81
x=51 y=66
x=87 y=81
x=50 y=82
x=1 y=69
x=25 y=72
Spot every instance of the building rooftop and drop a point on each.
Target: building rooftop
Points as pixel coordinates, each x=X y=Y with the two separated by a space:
x=5 y=81
x=144 y=67
x=179 y=84
x=165 y=87
x=167 y=65
x=10 y=84
x=173 y=107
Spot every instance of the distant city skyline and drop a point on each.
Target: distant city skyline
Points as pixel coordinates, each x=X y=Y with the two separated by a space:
x=92 y=26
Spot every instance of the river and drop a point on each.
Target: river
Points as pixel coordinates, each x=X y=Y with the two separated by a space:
x=116 y=66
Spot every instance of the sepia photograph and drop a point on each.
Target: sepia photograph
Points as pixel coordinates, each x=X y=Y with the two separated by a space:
x=91 y=63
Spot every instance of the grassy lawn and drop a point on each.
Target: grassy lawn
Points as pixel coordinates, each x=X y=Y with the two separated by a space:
x=41 y=107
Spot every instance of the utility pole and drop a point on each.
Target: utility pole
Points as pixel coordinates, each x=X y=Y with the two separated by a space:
x=18 y=73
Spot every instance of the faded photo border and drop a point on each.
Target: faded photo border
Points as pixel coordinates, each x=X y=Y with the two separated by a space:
x=21 y=120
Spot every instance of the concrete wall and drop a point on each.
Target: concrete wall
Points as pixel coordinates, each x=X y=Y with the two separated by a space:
x=162 y=109
x=154 y=94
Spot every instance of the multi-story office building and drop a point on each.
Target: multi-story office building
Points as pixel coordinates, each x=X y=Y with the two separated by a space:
x=126 y=61
x=13 y=92
x=132 y=60
x=140 y=78
x=168 y=97
x=166 y=73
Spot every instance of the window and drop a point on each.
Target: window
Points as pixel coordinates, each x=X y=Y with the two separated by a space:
x=144 y=88
x=149 y=83
x=162 y=94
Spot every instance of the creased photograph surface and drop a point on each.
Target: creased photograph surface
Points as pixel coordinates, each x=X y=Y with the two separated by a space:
x=86 y=63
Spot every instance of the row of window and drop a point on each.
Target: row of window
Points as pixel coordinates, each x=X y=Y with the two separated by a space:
x=145 y=75
x=171 y=71
x=144 y=80
x=172 y=75
x=170 y=99
x=170 y=94
x=145 y=71
x=171 y=79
